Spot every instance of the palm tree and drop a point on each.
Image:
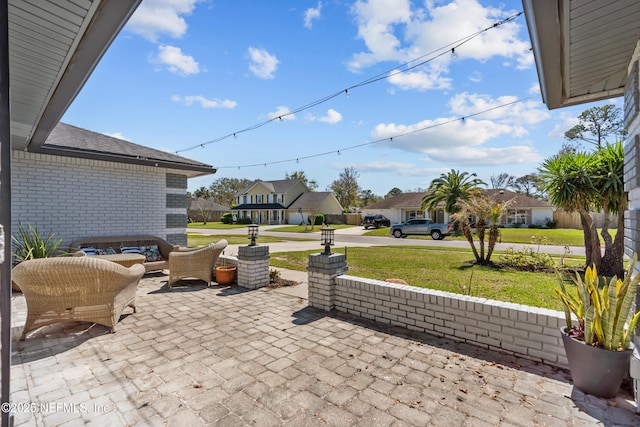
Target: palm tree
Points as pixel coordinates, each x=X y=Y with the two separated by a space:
x=450 y=188
x=613 y=200
x=487 y=212
x=568 y=179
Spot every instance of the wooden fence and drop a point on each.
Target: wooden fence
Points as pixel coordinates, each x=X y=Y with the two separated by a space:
x=572 y=219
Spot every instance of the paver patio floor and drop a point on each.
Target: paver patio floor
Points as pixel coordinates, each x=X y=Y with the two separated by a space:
x=226 y=356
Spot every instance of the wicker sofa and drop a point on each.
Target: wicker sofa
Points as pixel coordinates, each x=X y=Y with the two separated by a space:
x=65 y=289
x=116 y=242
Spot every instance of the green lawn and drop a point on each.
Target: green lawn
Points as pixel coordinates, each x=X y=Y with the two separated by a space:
x=307 y=229
x=441 y=269
x=196 y=239
x=215 y=225
x=556 y=236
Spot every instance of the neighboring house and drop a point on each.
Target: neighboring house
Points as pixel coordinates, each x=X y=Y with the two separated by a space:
x=524 y=211
x=196 y=207
x=403 y=207
x=82 y=183
x=287 y=201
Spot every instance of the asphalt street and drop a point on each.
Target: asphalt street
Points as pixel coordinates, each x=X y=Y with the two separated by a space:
x=354 y=237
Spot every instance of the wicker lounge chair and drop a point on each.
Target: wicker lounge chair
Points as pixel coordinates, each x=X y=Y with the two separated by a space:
x=195 y=263
x=76 y=288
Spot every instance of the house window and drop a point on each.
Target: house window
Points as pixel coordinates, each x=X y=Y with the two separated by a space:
x=259 y=198
x=516 y=217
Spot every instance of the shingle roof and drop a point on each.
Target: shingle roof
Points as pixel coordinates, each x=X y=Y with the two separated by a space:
x=520 y=200
x=413 y=200
x=72 y=141
x=402 y=200
x=311 y=200
x=278 y=186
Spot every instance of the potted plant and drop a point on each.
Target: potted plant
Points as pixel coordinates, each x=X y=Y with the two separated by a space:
x=225 y=274
x=599 y=346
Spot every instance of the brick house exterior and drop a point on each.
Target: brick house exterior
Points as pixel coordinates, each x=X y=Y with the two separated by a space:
x=85 y=195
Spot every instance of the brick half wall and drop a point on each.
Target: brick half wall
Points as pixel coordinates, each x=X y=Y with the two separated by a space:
x=526 y=331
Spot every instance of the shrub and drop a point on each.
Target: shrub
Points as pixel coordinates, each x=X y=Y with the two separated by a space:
x=526 y=259
x=245 y=220
x=550 y=223
x=319 y=219
x=227 y=218
x=30 y=244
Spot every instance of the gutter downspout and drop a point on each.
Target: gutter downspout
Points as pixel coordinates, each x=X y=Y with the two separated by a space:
x=5 y=218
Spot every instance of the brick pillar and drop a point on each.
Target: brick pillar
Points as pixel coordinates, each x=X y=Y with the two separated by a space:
x=323 y=269
x=253 y=266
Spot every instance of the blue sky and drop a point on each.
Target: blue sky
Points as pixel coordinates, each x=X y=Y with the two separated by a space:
x=186 y=73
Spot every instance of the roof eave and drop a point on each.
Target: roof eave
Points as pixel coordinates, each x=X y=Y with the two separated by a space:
x=192 y=170
x=107 y=22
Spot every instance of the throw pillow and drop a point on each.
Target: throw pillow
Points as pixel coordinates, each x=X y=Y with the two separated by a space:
x=89 y=250
x=151 y=253
x=129 y=250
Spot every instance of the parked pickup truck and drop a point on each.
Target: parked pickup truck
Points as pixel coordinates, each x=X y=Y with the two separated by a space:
x=421 y=226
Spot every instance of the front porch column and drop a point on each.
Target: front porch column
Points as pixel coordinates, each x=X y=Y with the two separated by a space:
x=632 y=186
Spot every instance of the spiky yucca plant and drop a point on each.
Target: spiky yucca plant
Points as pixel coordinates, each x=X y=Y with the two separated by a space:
x=30 y=244
x=601 y=312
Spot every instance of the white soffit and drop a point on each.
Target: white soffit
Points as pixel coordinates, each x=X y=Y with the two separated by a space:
x=53 y=48
x=582 y=47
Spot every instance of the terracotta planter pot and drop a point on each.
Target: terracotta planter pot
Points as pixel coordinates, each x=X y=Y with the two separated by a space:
x=595 y=370
x=225 y=275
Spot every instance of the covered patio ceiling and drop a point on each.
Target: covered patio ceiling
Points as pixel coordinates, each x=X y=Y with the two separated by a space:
x=582 y=48
x=53 y=48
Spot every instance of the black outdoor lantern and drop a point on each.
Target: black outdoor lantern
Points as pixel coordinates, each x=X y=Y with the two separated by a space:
x=253 y=233
x=326 y=239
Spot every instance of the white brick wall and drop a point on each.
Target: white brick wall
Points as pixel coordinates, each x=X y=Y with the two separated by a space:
x=77 y=197
x=526 y=331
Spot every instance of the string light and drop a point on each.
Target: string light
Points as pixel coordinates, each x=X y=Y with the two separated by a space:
x=390 y=139
x=403 y=68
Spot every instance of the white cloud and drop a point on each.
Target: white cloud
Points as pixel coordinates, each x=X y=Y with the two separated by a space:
x=486 y=156
x=204 y=102
x=566 y=122
x=311 y=14
x=535 y=89
x=176 y=61
x=263 y=64
x=392 y=31
x=467 y=142
x=156 y=17
x=443 y=133
x=420 y=80
x=117 y=135
x=282 y=113
x=476 y=77
x=527 y=112
x=332 y=117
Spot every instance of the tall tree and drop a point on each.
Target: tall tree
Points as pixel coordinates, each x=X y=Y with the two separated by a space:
x=503 y=180
x=568 y=179
x=450 y=188
x=367 y=197
x=223 y=190
x=595 y=125
x=310 y=183
x=528 y=185
x=393 y=192
x=202 y=192
x=346 y=188
x=204 y=207
x=613 y=200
